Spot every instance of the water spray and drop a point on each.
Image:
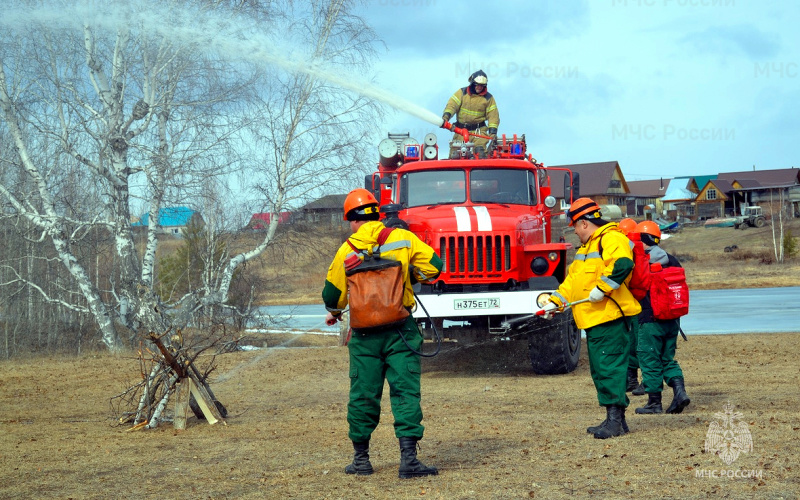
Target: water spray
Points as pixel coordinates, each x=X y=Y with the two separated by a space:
x=224 y=36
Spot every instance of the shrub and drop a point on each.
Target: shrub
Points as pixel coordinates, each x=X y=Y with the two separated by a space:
x=763 y=256
x=789 y=245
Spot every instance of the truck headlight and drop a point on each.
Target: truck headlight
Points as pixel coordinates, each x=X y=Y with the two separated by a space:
x=539 y=265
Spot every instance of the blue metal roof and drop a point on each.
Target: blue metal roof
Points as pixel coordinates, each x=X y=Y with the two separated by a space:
x=169 y=216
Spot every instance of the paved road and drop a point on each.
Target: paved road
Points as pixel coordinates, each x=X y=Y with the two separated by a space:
x=758 y=310
x=743 y=311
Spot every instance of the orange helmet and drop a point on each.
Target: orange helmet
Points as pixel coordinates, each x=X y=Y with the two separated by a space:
x=583 y=208
x=651 y=228
x=359 y=202
x=627 y=225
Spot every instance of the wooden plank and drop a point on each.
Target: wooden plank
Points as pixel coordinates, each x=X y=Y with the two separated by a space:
x=204 y=401
x=182 y=391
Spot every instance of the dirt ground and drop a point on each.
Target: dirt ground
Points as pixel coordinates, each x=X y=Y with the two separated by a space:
x=494 y=429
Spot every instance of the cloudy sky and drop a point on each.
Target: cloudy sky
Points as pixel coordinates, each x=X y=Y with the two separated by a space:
x=665 y=87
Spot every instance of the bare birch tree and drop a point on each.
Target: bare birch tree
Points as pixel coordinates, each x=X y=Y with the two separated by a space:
x=93 y=109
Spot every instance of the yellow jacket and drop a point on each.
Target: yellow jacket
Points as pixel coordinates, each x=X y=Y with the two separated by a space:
x=469 y=108
x=401 y=245
x=610 y=272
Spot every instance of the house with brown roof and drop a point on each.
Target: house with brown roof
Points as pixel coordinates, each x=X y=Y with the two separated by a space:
x=646 y=196
x=602 y=181
x=327 y=211
x=773 y=190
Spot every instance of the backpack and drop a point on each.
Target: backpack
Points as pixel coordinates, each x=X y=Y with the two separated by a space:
x=375 y=287
x=669 y=293
x=639 y=283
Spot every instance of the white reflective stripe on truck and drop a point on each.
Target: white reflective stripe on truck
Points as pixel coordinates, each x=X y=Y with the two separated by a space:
x=463 y=223
x=484 y=219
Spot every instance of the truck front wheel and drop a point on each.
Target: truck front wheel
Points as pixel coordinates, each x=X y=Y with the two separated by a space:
x=554 y=346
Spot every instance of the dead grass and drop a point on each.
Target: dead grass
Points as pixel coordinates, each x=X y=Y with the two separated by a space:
x=493 y=428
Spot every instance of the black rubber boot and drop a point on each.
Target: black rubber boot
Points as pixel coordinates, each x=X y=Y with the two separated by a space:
x=653 y=405
x=680 y=400
x=360 y=465
x=615 y=423
x=595 y=428
x=639 y=391
x=633 y=380
x=409 y=465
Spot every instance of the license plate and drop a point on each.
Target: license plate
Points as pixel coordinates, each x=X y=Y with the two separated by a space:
x=462 y=304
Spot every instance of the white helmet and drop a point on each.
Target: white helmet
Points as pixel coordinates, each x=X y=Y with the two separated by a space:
x=479 y=77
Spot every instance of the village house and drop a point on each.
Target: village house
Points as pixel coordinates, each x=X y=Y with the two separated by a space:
x=327 y=211
x=645 y=198
x=171 y=220
x=260 y=221
x=602 y=181
x=773 y=190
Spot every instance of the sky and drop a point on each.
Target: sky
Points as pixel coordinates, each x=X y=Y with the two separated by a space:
x=667 y=88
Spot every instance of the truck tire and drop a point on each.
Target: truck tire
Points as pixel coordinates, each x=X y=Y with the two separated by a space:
x=760 y=222
x=555 y=350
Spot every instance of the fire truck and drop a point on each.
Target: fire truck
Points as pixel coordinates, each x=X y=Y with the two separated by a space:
x=487 y=213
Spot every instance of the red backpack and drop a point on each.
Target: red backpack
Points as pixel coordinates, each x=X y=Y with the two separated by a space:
x=669 y=293
x=639 y=284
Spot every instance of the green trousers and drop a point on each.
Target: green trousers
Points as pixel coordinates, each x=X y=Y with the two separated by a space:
x=657 y=343
x=379 y=356
x=608 y=345
x=633 y=358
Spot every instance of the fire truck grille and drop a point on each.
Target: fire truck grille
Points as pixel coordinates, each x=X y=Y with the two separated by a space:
x=475 y=254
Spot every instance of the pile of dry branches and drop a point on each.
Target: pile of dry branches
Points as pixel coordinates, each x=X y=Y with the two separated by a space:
x=162 y=369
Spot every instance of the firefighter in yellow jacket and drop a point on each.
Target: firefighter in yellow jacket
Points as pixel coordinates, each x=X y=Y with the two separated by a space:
x=475 y=109
x=600 y=271
x=385 y=353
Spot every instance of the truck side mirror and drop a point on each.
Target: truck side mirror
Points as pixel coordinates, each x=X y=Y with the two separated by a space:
x=576 y=185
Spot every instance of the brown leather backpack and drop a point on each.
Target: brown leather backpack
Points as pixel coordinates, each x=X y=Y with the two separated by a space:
x=375 y=289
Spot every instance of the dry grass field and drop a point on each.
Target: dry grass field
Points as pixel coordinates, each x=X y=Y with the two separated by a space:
x=494 y=429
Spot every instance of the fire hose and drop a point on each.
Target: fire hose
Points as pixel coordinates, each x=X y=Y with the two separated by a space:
x=508 y=325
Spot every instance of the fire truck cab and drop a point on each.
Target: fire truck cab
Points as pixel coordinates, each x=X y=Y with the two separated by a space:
x=487 y=214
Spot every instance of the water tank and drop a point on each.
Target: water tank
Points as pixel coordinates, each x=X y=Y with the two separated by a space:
x=611 y=212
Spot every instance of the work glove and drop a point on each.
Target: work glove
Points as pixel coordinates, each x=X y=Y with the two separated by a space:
x=549 y=310
x=446 y=117
x=596 y=295
x=331 y=320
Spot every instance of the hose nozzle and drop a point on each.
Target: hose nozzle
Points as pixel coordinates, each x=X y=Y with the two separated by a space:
x=456 y=130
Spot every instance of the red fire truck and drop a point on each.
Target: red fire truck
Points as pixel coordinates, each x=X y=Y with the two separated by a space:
x=487 y=213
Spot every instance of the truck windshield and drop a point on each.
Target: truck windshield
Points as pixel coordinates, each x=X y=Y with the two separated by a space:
x=499 y=185
x=432 y=187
